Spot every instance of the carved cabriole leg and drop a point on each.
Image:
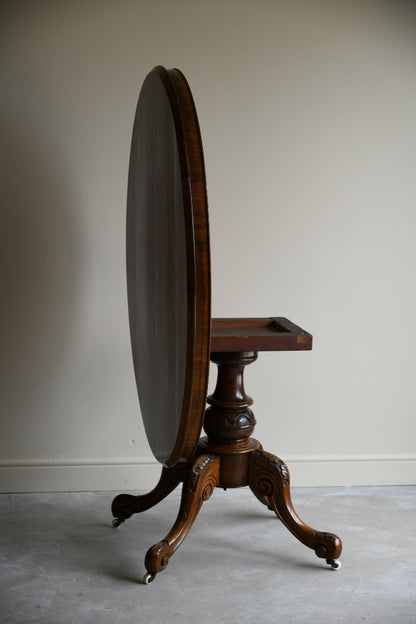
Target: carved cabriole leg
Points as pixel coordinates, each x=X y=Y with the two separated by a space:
x=199 y=484
x=264 y=499
x=125 y=505
x=269 y=480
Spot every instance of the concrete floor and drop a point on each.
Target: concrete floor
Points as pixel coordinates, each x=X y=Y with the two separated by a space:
x=62 y=563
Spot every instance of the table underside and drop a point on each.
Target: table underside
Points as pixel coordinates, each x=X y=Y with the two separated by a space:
x=258 y=334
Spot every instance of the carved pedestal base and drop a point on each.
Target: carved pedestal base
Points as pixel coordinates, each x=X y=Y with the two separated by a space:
x=227 y=457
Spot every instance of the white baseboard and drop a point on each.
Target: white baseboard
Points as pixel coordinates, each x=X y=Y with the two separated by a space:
x=142 y=473
x=349 y=470
x=79 y=474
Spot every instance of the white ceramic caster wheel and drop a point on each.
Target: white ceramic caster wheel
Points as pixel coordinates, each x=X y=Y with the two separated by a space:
x=335 y=564
x=148 y=578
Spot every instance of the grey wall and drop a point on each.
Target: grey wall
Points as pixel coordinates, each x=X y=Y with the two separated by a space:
x=307 y=112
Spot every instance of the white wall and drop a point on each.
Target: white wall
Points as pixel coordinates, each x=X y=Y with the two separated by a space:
x=307 y=112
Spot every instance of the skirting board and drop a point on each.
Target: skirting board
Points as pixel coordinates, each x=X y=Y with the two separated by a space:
x=142 y=473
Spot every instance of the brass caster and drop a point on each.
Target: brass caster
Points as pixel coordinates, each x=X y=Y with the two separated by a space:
x=149 y=577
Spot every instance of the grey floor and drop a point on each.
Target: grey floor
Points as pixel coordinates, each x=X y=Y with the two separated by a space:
x=62 y=563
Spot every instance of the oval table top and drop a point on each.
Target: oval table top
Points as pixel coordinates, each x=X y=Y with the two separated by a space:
x=168 y=265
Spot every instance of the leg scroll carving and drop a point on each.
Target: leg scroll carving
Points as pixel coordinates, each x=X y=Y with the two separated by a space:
x=125 y=505
x=198 y=486
x=269 y=480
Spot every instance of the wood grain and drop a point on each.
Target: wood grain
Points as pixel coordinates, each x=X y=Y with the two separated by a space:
x=258 y=334
x=169 y=290
x=168 y=265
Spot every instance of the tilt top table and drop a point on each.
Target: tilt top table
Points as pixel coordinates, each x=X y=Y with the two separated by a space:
x=173 y=336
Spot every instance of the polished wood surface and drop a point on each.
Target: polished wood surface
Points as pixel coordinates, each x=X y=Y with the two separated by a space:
x=229 y=423
x=168 y=266
x=172 y=339
x=228 y=457
x=258 y=334
x=201 y=479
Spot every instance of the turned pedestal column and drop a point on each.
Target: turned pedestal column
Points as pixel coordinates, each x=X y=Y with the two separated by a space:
x=229 y=421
